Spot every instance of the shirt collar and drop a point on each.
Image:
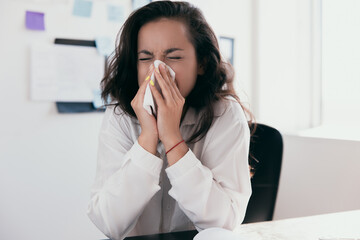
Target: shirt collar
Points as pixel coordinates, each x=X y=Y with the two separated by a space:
x=191 y=117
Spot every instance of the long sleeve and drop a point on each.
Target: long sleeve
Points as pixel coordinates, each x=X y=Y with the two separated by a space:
x=117 y=201
x=214 y=190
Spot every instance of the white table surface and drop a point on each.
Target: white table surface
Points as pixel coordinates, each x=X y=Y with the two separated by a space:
x=341 y=225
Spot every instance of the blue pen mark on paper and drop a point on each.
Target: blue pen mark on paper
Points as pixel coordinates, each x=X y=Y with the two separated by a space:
x=82 y=8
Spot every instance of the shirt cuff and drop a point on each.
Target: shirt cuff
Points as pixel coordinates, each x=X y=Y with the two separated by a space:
x=145 y=160
x=182 y=166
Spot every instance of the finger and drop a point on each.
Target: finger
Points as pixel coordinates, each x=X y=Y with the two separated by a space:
x=168 y=79
x=142 y=88
x=150 y=71
x=177 y=90
x=165 y=73
x=139 y=96
x=148 y=74
x=163 y=85
x=157 y=96
x=146 y=80
x=172 y=85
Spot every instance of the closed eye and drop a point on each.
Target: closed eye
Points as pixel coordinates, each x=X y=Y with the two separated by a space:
x=144 y=59
x=145 y=55
x=175 y=58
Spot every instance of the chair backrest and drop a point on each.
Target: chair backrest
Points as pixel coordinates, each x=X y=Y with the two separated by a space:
x=266 y=146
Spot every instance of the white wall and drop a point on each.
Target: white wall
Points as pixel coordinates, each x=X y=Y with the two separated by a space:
x=283 y=63
x=47 y=160
x=230 y=18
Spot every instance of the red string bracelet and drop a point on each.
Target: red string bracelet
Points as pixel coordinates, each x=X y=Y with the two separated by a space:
x=174 y=146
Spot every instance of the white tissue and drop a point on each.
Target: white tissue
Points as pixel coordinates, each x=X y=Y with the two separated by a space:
x=148 y=98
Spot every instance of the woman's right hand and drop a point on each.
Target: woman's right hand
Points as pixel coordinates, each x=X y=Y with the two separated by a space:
x=149 y=135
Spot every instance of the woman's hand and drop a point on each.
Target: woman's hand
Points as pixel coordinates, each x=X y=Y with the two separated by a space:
x=149 y=136
x=170 y=107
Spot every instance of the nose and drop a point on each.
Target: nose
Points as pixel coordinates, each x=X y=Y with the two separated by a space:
x=164 y=60
x=161 y=58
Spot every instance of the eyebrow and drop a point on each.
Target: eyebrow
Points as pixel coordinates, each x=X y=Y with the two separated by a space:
x=167 y=51
x=145 y=52
x=170 y=50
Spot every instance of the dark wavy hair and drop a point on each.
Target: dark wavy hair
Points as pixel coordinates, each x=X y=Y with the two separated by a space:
x=120 y=82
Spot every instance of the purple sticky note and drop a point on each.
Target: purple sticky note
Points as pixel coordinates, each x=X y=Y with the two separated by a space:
x=35 y=20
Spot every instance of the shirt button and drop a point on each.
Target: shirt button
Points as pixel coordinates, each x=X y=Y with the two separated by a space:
x=168 y=207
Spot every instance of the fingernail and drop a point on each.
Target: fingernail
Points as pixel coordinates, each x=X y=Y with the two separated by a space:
x=152 y=83
x=147 y=78
x=157 y=70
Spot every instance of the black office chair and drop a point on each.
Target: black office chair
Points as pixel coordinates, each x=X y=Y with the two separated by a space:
x=266 y=148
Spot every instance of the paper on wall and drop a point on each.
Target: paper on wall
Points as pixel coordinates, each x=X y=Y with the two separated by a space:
x=65 y=73
x=35 y=20
x=82 y=8
x=116 y=13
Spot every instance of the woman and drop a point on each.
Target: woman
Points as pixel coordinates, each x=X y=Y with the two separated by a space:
x=186 y=168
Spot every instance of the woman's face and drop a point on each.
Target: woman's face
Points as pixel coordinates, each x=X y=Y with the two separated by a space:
x=166 y=40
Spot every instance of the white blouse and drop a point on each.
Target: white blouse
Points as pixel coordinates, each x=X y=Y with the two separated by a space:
x=137 y=193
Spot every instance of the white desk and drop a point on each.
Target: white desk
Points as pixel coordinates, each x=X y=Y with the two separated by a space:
x=342 y=225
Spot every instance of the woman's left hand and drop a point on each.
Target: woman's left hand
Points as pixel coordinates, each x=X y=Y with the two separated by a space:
x=170 y=107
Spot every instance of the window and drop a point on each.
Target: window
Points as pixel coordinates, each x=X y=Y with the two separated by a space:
x=341 y=62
